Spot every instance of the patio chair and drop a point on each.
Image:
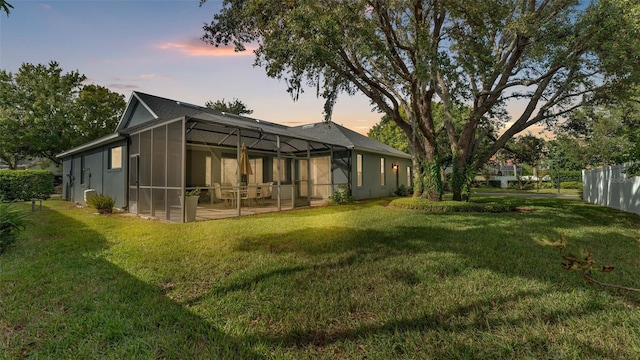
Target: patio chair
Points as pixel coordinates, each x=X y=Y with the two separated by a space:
x=265 y=191
x=251 y=194
x=223 y=195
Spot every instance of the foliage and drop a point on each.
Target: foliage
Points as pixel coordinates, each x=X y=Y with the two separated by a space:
x=341 y=196
x=526 y=150
x=414 y=203
x=194 y=192
x=580 y=258
x=5 y=6
x=349 y=282
x=404 y=56
x=44 y=111
x=97 y=111
x=567 y=176
x=403 y=190
x=518 y=184
x=12 y=221
x=233 y=107
x=496 y=184
x=598 y=135
x=103 y=203
x=571 y=185
x=388 y=132
x=26 y=185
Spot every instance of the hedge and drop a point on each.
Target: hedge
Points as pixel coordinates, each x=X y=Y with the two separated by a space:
x=571 y=185
x=25 y=185
x=417 y=203
x=566 y=176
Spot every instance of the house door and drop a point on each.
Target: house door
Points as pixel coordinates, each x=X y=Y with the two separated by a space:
x=134 y=183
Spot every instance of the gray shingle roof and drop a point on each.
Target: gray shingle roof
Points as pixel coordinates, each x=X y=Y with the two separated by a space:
x=339 y=135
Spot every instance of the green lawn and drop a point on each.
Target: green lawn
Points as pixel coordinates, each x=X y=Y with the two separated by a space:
x=357 y=281
x=530 y=191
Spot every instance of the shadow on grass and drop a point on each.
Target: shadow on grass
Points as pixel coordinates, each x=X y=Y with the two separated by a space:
x=443 y=322
x=483 y=243
x=62 y=299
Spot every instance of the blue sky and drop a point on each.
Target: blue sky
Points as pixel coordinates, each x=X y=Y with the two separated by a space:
x=154 y=46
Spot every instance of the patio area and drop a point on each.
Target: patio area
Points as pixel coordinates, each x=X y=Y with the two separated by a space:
x=213 y=211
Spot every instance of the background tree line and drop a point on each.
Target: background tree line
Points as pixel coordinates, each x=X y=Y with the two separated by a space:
x=45 y=111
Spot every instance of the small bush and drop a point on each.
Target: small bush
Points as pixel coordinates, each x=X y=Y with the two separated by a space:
x=103 y=203
x=514 y=184
x=449 y=206
x=571 y=185
x=12 y=221
x=547 y=185
x=403 y=190
x=491 y=184
x=341 y=196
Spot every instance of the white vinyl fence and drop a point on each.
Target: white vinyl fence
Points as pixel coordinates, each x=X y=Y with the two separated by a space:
x=610 y=186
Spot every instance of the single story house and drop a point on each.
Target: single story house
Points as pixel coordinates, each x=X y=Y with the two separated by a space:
x=163 y=148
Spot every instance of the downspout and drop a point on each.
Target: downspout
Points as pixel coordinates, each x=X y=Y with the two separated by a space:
x=238 y=174
x=278 y=171
x=308 y=174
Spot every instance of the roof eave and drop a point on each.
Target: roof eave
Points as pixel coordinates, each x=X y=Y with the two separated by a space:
x=92 y=144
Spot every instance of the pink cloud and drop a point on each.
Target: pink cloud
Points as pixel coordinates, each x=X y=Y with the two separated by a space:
x=196 y=47
x=127 y=87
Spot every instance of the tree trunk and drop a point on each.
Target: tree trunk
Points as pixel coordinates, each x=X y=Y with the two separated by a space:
x=457 y=180
x=418 y=175
x=461 y=177
x=432 y=177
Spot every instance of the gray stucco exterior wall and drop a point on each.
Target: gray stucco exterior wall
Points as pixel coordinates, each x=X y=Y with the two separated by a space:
x=371 y=186
x=90 y=170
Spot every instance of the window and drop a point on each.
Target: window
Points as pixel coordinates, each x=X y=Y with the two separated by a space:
x=283 y=170
x=382 y=177
x=115 y=157
x=409 y=176
x=359 y=170
x=229 y=171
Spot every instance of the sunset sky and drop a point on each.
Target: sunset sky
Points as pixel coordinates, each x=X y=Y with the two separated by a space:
x=154 y=46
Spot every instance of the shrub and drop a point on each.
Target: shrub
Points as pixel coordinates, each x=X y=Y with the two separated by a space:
x=449 y=206
x=341 y=196
x=25 y=185
x=491 y=183
x=12 y=221
x=403 y=190
x=103 y=203
x=571 y=185
x=566 y=176
x=514 y=184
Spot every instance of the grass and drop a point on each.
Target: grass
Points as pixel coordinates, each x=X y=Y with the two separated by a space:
x=447 y=205
x=529 y=191
x=354 y=281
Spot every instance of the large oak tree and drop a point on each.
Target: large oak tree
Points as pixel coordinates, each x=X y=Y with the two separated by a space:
x=551 y=55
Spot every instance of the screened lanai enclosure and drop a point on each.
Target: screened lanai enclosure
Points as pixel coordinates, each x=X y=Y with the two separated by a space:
x=233 y=166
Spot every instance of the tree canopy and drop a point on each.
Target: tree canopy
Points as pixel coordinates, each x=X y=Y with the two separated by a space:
x=233 y=107
x=44 y=111
x=551 y=55
x=6 y=7
x=600 y=134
